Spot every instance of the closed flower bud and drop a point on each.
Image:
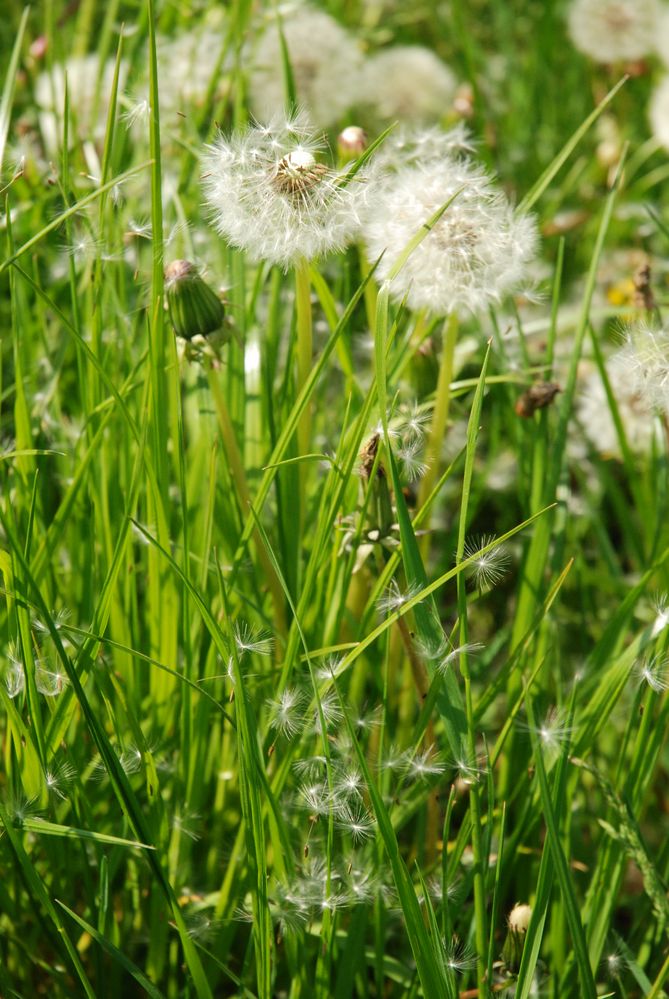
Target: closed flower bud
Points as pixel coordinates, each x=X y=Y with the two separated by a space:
x=351 y=142
x=519 y=920
x=195 y=310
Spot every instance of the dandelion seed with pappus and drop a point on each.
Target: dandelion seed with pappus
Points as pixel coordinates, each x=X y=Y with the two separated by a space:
x=653 y=671
x=424 y=765
x=486 y=567
x=287 y=712
x=272 y=196
x=459 y=957
x=357 y=822
x=252 y=641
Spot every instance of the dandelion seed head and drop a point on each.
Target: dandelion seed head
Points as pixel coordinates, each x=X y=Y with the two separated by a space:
x=325 y=61
x=519 y=918
x=89 y=84
x=477 y=251
x=270 y=195
x=614 y=30
x=637 y=386
x=407 y=83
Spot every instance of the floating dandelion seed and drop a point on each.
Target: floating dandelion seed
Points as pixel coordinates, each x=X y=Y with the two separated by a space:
x=393 y=597
x=424 y=765
x=552 y=732
x=661 y=607
x=409 y=458
x=486 y=567
x=444 y=662
x=253 y=641
x=272 y=197
x=330 y=709
x=14 y=679
x=286 y=710
x=459 y=957
x=356 y=821
x=50 y=682
x=56 y=778
x=654 y=671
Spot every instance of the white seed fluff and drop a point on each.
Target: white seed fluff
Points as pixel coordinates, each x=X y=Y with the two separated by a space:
x=187 y=62
x=325 y=61
x=614 y=30
x=88 y=85
x=409 y=83
x=477 y=251
x=271 y=196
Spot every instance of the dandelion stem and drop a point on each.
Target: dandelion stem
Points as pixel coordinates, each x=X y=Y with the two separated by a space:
x=239 y=478
x=304 y=345
x=442 y=404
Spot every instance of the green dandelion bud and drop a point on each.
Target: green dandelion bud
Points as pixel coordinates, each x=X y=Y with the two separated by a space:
x=519 y=920
x=195 y=310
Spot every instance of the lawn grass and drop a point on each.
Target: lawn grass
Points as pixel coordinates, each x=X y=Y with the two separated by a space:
x=318 y=658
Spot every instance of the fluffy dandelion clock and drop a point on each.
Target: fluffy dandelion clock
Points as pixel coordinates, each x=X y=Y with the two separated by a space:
x=475 y=253
x=271 y=195
x=409 y=83
x=658 y=112
x=325 y=61
x=89 y=85
x=614 y=30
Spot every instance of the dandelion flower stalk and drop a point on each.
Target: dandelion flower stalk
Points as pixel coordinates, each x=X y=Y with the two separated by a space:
x=440 y=413
x=238 y=474
x=304 y=346
x=480 y=863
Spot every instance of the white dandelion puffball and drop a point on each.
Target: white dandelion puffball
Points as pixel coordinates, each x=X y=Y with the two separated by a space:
x=88 y=86
x=186 y=63
x=614 y=30
x=409 y=83
x=639 y=383
x=658 y=112
x=272 y=197
x=326 y=63
x=476 y=252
